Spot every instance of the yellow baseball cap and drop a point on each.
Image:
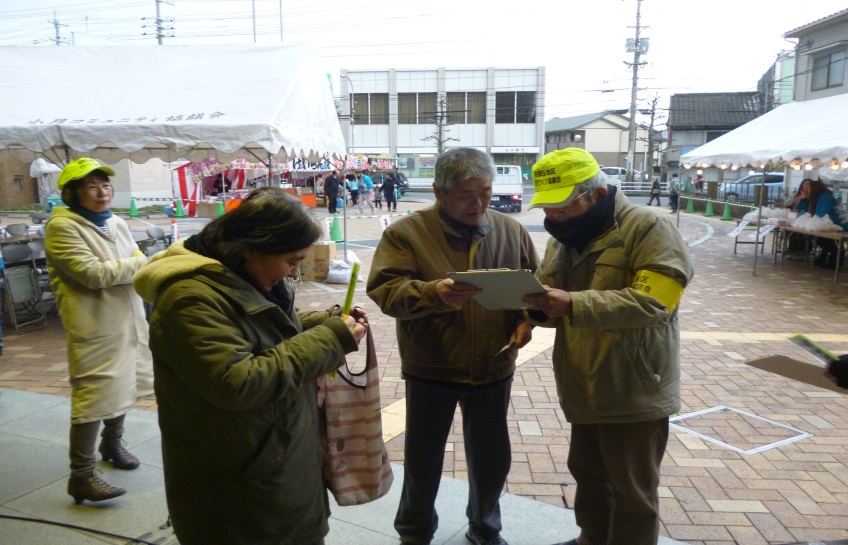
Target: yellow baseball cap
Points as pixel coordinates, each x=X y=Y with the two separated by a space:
x=80 y=169
x=557 y=173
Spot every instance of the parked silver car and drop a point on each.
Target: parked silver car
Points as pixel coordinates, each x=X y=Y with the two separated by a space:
x=743 y=189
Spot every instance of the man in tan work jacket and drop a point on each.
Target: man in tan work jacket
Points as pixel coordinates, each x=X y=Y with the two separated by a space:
x=453 y=351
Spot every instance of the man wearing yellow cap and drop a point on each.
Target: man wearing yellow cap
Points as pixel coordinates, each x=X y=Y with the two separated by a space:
x=614 y=275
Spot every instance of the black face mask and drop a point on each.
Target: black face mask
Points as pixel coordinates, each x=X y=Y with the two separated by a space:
x=578 y=232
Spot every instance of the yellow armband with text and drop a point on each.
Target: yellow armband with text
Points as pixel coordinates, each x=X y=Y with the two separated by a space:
x=664 y=289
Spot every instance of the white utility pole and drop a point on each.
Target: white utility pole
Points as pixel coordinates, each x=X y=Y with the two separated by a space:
x=638 y=47
x=160 y=28
x=253 y=3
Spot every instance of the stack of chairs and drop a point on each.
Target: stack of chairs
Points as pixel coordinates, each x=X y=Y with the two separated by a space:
x=23 y=298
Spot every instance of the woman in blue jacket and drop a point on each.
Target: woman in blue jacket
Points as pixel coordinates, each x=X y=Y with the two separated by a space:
x=819 y=201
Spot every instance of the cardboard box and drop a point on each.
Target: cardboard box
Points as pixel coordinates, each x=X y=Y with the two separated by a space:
x=316 y=266
x=207 y=209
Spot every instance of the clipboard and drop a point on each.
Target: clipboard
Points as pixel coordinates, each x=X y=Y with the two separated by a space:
x=503 y=289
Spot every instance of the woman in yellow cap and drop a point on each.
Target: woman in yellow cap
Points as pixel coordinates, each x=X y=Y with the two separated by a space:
x=91 y=256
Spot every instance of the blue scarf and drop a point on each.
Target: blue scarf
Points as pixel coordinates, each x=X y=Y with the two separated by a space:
x=97 y=218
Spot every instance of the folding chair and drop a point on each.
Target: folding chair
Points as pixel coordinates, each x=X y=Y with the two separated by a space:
x=17 y=229
x=39 y=262
x=23 y=297
x=150 y=246
x=157 y=233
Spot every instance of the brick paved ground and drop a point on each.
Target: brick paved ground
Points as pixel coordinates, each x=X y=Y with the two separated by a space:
x=711 y=495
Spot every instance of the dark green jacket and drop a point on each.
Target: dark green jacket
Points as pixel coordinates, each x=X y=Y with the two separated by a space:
x=235 y=384
x=438 y=341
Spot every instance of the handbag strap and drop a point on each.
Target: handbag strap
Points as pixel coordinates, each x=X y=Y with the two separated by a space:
x=360 y=379
x=370 y=351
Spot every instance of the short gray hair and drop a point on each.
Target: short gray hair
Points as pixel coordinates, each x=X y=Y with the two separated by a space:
x=460 y=164
x=589 y=186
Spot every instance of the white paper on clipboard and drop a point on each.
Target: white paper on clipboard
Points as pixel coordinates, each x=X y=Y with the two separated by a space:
x=503 y=289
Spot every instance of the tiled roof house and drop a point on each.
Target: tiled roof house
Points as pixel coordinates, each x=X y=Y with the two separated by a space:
x=603 y=134
x=697 y=118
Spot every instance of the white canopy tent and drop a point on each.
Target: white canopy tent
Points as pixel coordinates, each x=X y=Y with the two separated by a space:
x=170 y=102
x=813 y=133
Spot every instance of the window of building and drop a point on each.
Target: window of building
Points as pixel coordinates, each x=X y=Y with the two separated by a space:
x=712 y=135
x=466 y=107
x=18 y=183
x=828 y=70
x=370 y=108
x=515 y=107
x=417 y=108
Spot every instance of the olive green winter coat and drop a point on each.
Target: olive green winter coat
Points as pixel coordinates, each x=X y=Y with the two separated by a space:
x=235 y=384
x=617 y=359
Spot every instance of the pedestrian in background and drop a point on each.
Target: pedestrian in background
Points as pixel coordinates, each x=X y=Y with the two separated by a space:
x=655 y=193
x=673 y=192
x=615 y=274
x=390 y=187
x=453 y=351
x=332 y=184
x=366 y=189
x=378 y=196
x=91 y=259
x=353 y=187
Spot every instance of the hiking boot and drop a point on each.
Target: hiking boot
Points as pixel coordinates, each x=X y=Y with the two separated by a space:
x=113 y=451
x=87 y=485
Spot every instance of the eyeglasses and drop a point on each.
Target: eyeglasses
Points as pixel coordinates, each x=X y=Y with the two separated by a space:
x=572 y=203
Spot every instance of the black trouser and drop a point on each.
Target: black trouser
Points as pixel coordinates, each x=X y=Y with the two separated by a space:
x=654 y=196
x=430 y=408
x=391 y=201
x=672 y=200
x=331 y=202
x=354 y=196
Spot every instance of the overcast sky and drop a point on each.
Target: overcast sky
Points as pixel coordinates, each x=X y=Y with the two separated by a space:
x=708 y=46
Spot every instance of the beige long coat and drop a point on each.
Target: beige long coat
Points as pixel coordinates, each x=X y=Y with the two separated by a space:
x=91 y=275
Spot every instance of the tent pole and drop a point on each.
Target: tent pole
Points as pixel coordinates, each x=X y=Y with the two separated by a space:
x=344 y=211
x=679 y=193
x=270 y=171
x=268 y=177
x=759 y=218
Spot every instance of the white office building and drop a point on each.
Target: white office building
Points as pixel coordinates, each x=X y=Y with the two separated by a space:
x=408 y=115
